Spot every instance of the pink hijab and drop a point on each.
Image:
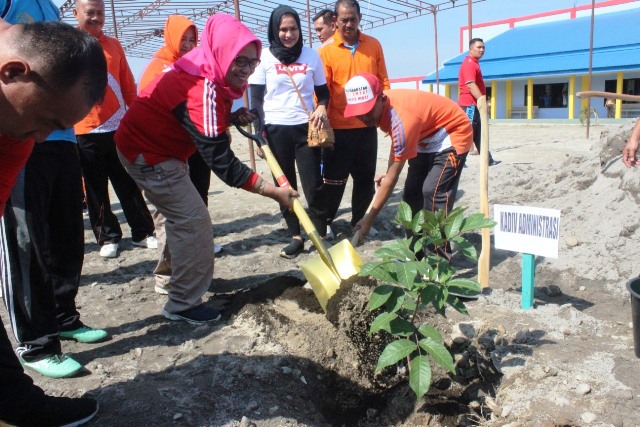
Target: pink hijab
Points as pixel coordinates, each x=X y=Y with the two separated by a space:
x=222 y=39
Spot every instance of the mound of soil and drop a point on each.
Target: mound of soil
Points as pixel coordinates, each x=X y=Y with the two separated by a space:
x=340 y=343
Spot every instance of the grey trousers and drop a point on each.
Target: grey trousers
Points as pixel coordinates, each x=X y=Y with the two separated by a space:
x=183 y=230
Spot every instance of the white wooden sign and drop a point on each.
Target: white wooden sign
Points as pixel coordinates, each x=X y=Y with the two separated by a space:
x=527 y=230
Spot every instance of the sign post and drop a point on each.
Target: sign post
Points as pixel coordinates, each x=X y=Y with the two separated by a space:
x=531 y=231
x=528 y=280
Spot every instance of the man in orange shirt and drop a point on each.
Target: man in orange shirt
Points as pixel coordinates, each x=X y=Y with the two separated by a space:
x=429 y=131
x=100 y=163
x=356 y=145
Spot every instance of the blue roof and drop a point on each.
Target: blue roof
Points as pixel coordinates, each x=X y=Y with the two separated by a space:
x=556 y=48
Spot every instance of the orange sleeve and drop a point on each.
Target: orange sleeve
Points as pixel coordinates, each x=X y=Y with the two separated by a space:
x=155 y=67
x=382 y=69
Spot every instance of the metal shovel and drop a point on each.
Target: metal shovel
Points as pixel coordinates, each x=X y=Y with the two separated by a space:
x=327 y=271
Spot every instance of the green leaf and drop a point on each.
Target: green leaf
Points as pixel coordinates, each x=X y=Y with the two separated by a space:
x=466 y=248
x=407 y=274
x=398 y=249
x=465 y=287
x=404 y=215
x=457 y=304
x=476 y=221
x=430 y=294
x=430 y=222
x=429 y=331
x=439 y=353
x=453 y=223
x=382 y=321
x=441 y=300
x=395 y=352
x=395 y=301
x=379 y=270
x=401 y=327
x=409 y=303
x=368 y=267
x=417 y=222
x=379 y=296
x=420 y=375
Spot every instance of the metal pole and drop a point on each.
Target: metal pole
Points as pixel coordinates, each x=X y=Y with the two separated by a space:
x=113 y=16
x=593 y=7
x=309 y=24
x=252 y=156
x=435 y=32
x=469 y=2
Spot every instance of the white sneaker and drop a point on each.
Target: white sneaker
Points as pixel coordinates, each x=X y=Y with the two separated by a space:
x=150 y=242
x=109 y=250
x=162 y=289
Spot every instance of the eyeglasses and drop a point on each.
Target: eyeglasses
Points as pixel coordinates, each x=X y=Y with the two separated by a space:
x=243 y=61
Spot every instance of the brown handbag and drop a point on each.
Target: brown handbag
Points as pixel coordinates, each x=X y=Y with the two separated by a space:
x=322 y=138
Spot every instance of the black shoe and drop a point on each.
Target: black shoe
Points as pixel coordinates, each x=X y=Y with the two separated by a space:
x=197 y=315
x=293 y=249
x=494 y=162
x=62 y=412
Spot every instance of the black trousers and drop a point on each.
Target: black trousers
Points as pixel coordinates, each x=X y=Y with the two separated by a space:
x=355 y=154
x=432 y=182
x=289 y=146
x=100 y=164
x=474 y=115
x=200 y=174
x=19 y=397
x=42 y=241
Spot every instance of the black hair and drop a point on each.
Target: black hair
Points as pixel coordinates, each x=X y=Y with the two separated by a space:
x=474 y=40
x=64 y=55
x=347 y=3
x=327 y=16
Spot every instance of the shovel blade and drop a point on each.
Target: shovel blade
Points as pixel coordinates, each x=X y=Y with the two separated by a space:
x=323 y=281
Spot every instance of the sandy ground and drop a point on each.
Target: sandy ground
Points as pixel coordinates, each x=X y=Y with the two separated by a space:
x=275 y=360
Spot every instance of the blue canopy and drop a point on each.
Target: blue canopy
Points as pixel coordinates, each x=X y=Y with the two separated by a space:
x=556 y=48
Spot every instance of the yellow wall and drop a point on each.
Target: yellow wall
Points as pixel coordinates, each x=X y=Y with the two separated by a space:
x=572 y=96
x=529 y=98
x=508 y=98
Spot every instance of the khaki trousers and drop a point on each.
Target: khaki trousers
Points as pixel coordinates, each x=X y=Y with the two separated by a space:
x=183 y=230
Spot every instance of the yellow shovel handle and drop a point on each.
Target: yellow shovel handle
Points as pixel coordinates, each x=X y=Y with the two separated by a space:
x=302 y=215
x=282 y=180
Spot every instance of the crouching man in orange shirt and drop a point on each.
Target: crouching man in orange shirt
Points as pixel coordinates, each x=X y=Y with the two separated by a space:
x=429 y=131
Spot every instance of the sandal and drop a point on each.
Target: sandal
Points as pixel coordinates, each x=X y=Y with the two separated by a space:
x=293 y=249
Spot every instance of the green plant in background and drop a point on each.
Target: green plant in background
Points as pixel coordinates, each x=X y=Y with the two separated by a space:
x=582 y=116
x=412 y=281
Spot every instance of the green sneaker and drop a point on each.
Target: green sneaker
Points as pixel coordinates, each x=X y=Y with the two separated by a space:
x=57 y=366
x=84 y=334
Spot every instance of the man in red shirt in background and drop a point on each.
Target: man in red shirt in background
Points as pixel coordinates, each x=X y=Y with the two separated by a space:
x=427 y=130
x=472 y=87
x=63 y=77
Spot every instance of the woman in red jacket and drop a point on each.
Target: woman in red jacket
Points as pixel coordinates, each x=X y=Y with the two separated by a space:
x=189 y=110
